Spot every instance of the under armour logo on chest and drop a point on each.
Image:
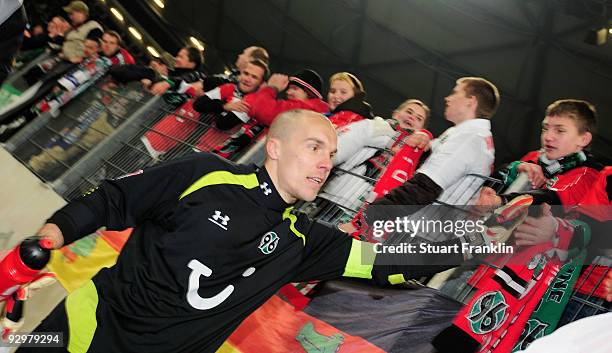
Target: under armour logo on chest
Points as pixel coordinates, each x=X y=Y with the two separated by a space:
x=220 y=220
x=266 y=190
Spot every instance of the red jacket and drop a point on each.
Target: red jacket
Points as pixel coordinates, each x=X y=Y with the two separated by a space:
x=598 y=196
x=172 y=129
x=178 y=125
x=343 y=118
x=570 y=186
x=122 y=57
x=591 y=205
x=265 y=107
x=227 y=92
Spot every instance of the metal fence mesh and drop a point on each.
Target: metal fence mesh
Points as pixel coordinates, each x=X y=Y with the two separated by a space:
x=52 y=145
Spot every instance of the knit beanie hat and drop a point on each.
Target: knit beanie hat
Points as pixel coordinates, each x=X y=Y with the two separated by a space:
x=309 y=81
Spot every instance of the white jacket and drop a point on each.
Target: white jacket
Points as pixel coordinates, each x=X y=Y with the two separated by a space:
x=357 y=143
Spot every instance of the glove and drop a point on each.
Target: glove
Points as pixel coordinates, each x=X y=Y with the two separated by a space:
x=11 y=318
x=506 y=218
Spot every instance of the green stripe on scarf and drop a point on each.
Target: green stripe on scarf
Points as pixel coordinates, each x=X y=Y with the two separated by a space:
x=546 y=316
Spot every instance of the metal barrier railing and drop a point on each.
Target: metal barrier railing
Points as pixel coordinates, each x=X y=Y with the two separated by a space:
x=111 y=130
x=152 y=136
x=51 y=145
x=585 y=301
x=128 y=153
x=15 y=84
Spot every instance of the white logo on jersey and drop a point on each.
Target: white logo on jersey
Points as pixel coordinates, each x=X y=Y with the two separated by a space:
x=201 y=303
x=268 y=243
x=220 y=219
x=266 y=190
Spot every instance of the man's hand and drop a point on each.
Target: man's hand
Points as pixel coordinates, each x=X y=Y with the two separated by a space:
x=160 y=88
x=278 y=82
x=608 y=285
x=347 y=227
x=57 y=28
x=52 y=232
x=488 y=197
x=537 y=230
x=534 y=172
x=237 y=106
x=418 y=140
x=198 y=87
x=52 y=29
x=62 y=27
x=76 y=59
x=146 y=83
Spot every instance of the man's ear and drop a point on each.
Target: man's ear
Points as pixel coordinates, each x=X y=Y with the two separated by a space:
x=273 y=148
x=474 y=102
x=585 y=139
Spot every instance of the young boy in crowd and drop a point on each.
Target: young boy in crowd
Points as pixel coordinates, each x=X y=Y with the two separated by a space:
x=561 y=164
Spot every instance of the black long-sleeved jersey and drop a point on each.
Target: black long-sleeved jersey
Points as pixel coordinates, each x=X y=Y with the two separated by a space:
x=212 y=242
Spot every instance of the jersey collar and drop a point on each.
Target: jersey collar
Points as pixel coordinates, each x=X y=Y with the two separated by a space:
x=266 y=193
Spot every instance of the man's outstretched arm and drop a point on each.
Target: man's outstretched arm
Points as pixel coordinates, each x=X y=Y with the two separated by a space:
x=330 y=253
x=126 y=201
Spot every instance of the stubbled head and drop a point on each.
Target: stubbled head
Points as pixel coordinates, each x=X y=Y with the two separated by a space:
x=300 y=146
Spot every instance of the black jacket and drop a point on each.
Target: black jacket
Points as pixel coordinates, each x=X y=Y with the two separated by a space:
x=127 y=73
x=357 y=105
